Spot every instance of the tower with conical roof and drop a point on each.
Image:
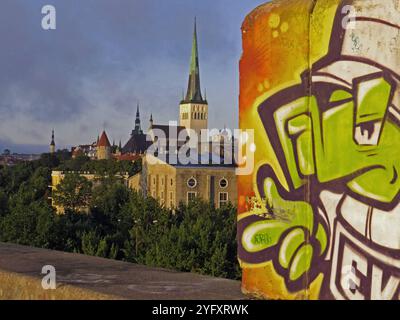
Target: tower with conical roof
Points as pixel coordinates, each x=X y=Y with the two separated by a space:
x=52 y=143
x=193 y=113
x=103 y=147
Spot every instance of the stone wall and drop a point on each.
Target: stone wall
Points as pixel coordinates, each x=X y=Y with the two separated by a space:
x=80 y=277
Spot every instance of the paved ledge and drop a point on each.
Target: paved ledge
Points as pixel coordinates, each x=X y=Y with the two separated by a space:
x=85 y=277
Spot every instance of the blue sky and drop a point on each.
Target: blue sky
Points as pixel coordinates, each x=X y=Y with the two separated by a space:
x=106 y=56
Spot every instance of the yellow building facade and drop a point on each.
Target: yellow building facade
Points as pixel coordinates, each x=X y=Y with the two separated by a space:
x=173 y=184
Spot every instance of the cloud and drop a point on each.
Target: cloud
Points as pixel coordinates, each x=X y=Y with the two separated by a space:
x=104 y=57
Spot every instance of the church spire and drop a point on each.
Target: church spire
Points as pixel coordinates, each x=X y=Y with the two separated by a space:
x=52 y=143
x=194 y=90
x=138 y=129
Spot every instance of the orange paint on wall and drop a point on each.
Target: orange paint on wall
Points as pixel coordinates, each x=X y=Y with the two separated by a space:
x=276 y=49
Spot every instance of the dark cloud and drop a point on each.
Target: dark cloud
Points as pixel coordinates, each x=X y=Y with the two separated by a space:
x=105 y=56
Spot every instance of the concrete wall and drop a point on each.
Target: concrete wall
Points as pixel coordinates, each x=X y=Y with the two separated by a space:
x=320 y=218
x=80 y=277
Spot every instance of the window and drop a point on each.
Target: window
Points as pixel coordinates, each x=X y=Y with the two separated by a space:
x=172 y=182
x=223 y=199
x=191 y=196
x=192 y=182
x=223 y=183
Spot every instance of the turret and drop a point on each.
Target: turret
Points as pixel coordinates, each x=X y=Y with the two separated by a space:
x=103 y=147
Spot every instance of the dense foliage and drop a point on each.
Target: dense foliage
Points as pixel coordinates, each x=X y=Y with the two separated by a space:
x=122 y=224
x=83 y=163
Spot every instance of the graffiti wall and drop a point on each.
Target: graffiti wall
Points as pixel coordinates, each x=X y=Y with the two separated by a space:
x=319 y=218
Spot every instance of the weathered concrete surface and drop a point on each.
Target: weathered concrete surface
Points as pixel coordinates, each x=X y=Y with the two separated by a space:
x=84 y=277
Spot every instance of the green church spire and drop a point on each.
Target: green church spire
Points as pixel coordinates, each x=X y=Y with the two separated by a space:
x=194 y=89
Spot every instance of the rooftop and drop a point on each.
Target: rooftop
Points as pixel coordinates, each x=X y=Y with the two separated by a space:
x=103 y=141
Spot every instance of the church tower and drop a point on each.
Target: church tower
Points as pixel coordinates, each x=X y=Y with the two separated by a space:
x=193 y=111
x=138 y=128
x=52 y=143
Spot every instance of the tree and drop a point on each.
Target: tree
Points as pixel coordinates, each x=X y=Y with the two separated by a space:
x=109 y=195
x=49 y=160
x=3 y=203
x=102 y=249
x=122 y=223
x=90 y=242
x=73 y=192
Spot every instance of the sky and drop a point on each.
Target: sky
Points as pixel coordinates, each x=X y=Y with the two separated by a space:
x=104 y=57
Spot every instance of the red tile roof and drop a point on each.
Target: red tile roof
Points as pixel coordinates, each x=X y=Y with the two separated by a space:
x=103 y=141
x=127 y=157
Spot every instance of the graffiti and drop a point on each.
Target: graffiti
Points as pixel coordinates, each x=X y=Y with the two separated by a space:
x=336 y=137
